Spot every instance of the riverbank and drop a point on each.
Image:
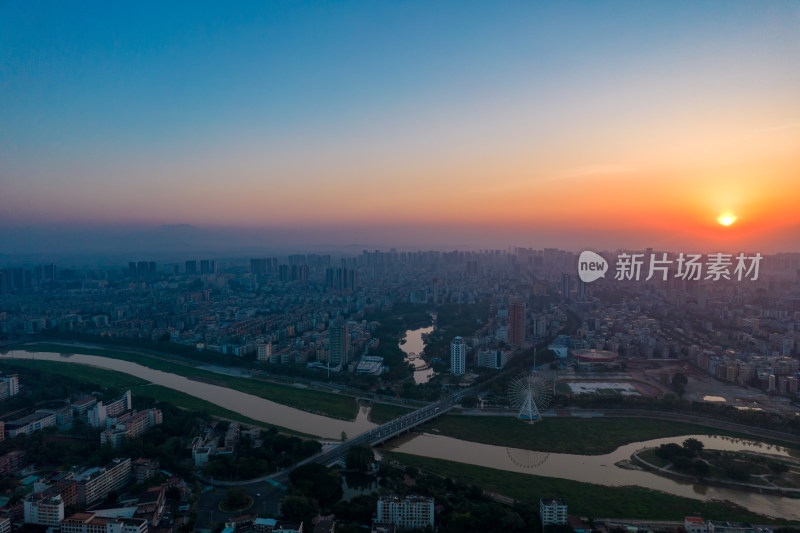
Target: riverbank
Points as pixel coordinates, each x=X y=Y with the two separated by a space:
x=85 y=374
x=649 y=461
x=101 y=377
x=584 y=499
x=580 y=436
x=313 y=401
x=381 y=412
x=248 y=405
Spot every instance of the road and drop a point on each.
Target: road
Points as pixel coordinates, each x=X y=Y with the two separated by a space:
x=266 y=497
x=372 y=437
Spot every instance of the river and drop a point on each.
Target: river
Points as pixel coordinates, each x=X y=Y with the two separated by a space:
x=602 y=469
x=246 y=404
x=413 y=347
x=598 y=469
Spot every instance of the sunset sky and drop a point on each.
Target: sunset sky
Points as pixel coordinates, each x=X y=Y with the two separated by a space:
x=605 y=124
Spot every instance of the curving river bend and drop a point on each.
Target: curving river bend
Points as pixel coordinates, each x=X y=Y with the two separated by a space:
x=248 y=405
x=598 y=469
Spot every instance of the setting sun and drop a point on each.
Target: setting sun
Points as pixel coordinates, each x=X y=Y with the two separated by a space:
x=726 y=220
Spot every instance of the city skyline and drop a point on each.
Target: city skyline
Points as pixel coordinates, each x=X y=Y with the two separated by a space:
x=295 y=126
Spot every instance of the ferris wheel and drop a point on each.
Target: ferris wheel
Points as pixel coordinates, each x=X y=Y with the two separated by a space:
x=530 y=393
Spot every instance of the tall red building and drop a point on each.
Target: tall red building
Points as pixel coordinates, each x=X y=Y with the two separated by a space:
x=516 y=323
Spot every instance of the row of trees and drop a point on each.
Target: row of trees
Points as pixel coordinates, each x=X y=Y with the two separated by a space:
x=276 y=451
x=316 y=489
x=687 y=458
x=767 y=420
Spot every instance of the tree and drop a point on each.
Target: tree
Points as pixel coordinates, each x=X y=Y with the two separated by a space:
x=297 y=507
x=669 y=402
x=173 y=494
x=236 y=499
x=679 y=382
x=694 y=446
x=469 y=402
x=359 y=509
x=512 y=521
x=359 y=458
x=701 y=467
x=681 y=462
x=668 y=451
x=316 y=481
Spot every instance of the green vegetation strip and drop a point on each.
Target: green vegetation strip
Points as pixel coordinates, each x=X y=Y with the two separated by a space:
x=324 y=403
x=582 y=436
x=83 y=373
x=186 y=401
x=583 y=499
x=164 y=363
x=382 y=412
x=649 y=456
x=111 y=378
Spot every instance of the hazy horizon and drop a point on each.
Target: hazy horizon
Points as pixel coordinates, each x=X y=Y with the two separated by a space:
x=118 y=244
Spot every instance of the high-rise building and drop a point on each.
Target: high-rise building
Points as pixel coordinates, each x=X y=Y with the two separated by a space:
x=12 y=462
x=43 y=511
x=208 y=266
x=539 y=326
x=264 y=351
x=496 y=359
x=50 y=272
x=516 y=323
x=39 y=420
x=5 y=284
x=299 y=273
x=338 y=343
x=582 y=296
x=94 y=484
x=142 y=268
x=191 y=267
x=91 y=523
x=99 y=413
x=565 y=286
x=411 y=512
x=553 y=511
x=341 y=278
x=131 y=425
x=259 y=266
x=458 y=357
x=283 y=272
x=9 y=386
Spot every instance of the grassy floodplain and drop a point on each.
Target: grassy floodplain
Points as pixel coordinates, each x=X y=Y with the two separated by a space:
x=83 y=373
x=382 y=412
x=582 y=436
x=186 y=401
x=111 y=378
x=324 y=403
x=585 y=499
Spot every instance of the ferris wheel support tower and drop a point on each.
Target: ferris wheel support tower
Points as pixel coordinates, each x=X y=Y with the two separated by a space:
x=529 y=394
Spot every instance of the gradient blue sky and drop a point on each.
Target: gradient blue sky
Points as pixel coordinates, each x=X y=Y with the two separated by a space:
x=515 y=116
